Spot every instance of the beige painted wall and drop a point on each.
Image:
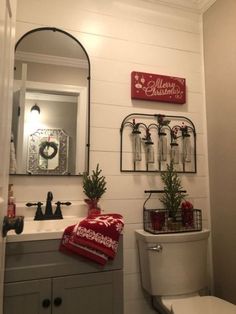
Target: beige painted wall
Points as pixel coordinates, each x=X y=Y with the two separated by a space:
x=120 y=37
x=220 y=68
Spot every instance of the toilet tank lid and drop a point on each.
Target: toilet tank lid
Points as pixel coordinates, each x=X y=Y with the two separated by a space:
x=206 y=305
x=172 y=237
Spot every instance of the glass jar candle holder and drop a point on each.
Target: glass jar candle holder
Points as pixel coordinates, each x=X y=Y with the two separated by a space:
x=149 y=153
x=137 y=153
x=162 y=146
x=186 y=148
x=174 y=152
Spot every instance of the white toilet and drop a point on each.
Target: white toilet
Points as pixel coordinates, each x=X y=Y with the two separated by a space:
x=174 y=273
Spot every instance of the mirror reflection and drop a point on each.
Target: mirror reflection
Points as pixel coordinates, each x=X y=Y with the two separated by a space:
x=45 y=147
x=50 y=118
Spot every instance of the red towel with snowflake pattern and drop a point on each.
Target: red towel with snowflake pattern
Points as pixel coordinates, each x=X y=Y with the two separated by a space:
x=95 y=237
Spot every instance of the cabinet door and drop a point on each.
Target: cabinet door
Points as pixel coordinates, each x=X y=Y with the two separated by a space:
x=27 y=297
x=88 y=293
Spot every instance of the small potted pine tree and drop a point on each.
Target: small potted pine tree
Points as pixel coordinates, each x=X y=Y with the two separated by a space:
x=173 y=193
x=94 y=186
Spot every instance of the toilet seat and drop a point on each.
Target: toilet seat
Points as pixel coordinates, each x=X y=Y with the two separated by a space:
x=167 y=301
x=200 y=305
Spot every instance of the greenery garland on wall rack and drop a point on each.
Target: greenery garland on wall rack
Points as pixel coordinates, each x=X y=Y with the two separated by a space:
x=149 y=142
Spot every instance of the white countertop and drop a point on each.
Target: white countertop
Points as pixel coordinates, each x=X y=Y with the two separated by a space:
x=43 y=229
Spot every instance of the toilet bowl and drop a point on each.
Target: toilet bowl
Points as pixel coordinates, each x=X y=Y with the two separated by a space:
x=165 y=304
x=202 y=305
x=193 y=305
x=174 y=272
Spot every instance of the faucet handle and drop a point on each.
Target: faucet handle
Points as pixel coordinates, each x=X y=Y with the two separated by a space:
x=31 y=204
x=58 y=213
x=66 y=203
x=39 y=213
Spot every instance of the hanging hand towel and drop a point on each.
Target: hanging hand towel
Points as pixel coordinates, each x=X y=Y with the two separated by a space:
x=12 y=165
x=96 y=237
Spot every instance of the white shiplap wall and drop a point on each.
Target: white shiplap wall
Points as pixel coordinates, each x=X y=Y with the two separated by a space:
x=122 y=36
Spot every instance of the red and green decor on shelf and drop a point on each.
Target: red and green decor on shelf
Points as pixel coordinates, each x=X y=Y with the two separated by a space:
x=178 y=214
x=94 y=186
x=173 y=193
x=187 y=214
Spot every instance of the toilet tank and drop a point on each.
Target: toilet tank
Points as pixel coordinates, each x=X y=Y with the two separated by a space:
x=173 y=264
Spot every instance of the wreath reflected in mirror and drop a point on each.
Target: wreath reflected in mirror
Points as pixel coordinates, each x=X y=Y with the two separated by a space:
x=48 y=152
x=46 y=147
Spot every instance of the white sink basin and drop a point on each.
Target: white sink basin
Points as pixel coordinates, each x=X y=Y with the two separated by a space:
x=42 y=230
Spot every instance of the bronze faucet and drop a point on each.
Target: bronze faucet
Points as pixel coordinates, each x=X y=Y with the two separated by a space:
x=48 y=215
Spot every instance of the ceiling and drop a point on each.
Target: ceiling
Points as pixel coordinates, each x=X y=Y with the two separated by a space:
x=198 y=6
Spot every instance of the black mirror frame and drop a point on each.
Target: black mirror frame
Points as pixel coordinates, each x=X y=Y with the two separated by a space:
x=54 y=29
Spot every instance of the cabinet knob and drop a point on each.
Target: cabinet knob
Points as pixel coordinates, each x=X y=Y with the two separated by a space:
x=57 y=301
x=46 y=303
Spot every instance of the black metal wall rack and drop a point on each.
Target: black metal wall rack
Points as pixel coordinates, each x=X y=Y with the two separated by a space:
x=148 y=142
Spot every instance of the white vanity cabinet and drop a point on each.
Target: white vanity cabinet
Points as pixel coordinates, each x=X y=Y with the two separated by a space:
x=40 y=279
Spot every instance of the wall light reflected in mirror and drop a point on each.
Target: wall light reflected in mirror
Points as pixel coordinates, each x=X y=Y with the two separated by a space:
x=32 y=118
x=35 y=110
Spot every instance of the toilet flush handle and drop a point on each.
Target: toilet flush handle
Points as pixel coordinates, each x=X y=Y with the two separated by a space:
x=156 y=248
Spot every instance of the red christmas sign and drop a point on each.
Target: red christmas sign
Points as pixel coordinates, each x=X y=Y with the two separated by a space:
x=157 y=87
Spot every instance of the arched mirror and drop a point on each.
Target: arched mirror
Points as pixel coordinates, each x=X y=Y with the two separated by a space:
x=50 y=121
